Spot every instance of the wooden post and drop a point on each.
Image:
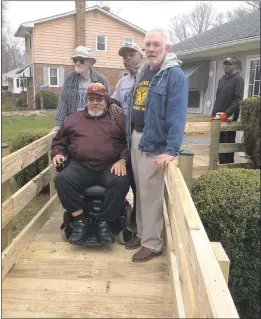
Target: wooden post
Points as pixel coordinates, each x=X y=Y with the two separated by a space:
x=214 y=144
x=222 y=258
x=52 y=186
x=6 y=186
x=185 y=164
x=7 y=232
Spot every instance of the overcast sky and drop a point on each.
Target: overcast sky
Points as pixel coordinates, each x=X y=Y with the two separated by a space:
x=146 y=15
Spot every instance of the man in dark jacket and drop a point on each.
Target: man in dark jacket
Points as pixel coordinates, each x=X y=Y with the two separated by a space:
x=96 y=145
x=228 y=99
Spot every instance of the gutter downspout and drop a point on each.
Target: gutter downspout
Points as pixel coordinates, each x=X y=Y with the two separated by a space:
x=32 y=63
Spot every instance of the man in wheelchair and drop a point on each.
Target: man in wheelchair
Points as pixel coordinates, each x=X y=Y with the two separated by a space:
x=96 y=147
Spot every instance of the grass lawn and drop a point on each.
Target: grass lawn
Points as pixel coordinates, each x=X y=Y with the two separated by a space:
x=36 y=121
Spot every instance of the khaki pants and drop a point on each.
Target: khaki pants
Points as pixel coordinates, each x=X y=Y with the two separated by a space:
x=149 y=182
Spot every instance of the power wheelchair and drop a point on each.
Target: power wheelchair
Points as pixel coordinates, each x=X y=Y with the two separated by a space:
x=93 y=197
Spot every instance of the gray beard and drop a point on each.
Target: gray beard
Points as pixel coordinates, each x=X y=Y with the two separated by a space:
x=95 y=114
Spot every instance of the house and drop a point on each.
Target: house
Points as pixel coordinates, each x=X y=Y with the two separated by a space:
x=50 y=43
x=203 y=57
x=15 y=81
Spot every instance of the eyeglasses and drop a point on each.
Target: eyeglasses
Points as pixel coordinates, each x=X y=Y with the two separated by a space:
x=97 y=98
x=81 y=60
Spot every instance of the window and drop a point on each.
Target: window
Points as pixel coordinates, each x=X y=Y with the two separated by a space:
x=128 y=42
x=53 y=76
x=28 y=43
x=21 y=83
x=252 y=87
x=100 y=43
x=195 y=101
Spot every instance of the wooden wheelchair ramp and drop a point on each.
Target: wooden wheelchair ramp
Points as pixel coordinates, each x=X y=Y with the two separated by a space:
x=53 y=279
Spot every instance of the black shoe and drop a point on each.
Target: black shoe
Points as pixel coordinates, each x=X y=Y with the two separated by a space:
x=79 y=232
x=92 y=240
x=104 y=232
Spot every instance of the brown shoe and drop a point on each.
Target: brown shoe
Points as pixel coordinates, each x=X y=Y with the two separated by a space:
x=133 y=243
x=144 y=254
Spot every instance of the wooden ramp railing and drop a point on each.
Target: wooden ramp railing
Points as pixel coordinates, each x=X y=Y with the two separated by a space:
x=198 y=268
x=213 y=149
x=196 y=265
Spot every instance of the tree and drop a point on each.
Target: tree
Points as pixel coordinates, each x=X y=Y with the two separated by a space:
x=253 y=5
x=203 y=17
x=12 y=48
x=178 y=29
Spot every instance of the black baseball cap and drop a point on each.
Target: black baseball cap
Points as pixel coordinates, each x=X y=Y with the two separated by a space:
x=231 y=61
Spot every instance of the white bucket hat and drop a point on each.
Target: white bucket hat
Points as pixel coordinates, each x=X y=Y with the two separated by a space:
x=84 y=52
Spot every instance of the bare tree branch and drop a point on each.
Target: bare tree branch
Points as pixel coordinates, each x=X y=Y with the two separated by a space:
x=178 y=30
x=201 y=18
x=253 y=5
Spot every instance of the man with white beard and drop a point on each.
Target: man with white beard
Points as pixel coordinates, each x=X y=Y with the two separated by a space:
x=96 y=145
x=156 y=121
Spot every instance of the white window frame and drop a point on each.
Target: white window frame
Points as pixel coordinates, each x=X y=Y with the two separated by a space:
x=58 y=80
x=199 y=109
x=124 y=73
x=100 y=35
x=124 y=43
x=248 y=61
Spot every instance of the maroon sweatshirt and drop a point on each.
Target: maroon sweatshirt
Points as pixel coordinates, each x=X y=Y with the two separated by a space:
x=94 y=142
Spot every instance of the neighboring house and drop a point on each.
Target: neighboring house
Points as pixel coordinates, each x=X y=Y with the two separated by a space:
x=50 y=43
x=15 y=81
x=203 y=57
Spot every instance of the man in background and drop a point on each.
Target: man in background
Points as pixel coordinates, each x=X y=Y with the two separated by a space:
x=228 y=99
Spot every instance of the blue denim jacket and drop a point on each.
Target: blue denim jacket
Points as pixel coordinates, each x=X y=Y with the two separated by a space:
x=166 y=109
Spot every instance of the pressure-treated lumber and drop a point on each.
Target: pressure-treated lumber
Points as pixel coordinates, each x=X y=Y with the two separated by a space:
x=222 y=259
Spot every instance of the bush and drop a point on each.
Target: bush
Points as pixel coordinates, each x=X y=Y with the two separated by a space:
x=35 y=168
x=50 y=100
x=228 y=202
x=251 y=121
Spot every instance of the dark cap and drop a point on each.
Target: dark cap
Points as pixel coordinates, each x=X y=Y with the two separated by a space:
x=231 y=61
x=96 y=88
x=134 y=47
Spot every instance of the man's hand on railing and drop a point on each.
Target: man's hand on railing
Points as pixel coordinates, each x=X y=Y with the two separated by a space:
x=57 y=160
x=163 y=160
x=55 y=129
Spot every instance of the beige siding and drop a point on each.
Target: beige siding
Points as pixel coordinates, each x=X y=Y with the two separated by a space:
x=54 y=41
x=28 y=57
x=100 y=24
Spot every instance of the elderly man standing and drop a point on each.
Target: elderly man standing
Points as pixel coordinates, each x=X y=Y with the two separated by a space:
x=156 y=121
x=132 y=60
x=73 y=95
x=96 y=145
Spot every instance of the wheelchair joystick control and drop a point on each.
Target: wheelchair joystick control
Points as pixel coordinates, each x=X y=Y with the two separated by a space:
x=61 y=166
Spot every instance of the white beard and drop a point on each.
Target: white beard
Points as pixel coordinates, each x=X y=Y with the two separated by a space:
x=95 y=114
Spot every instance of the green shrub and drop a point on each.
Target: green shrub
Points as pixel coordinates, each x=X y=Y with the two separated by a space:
x=35 y=168
x=50 y=100
x=251 y=121
x=228 y=202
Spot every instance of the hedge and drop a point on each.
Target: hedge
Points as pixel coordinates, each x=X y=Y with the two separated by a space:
x=251 y=122
x=35 y=168
x=228 y=202
x=50 y=100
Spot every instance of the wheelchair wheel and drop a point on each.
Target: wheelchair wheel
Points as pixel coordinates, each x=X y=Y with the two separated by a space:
x=125 y=235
